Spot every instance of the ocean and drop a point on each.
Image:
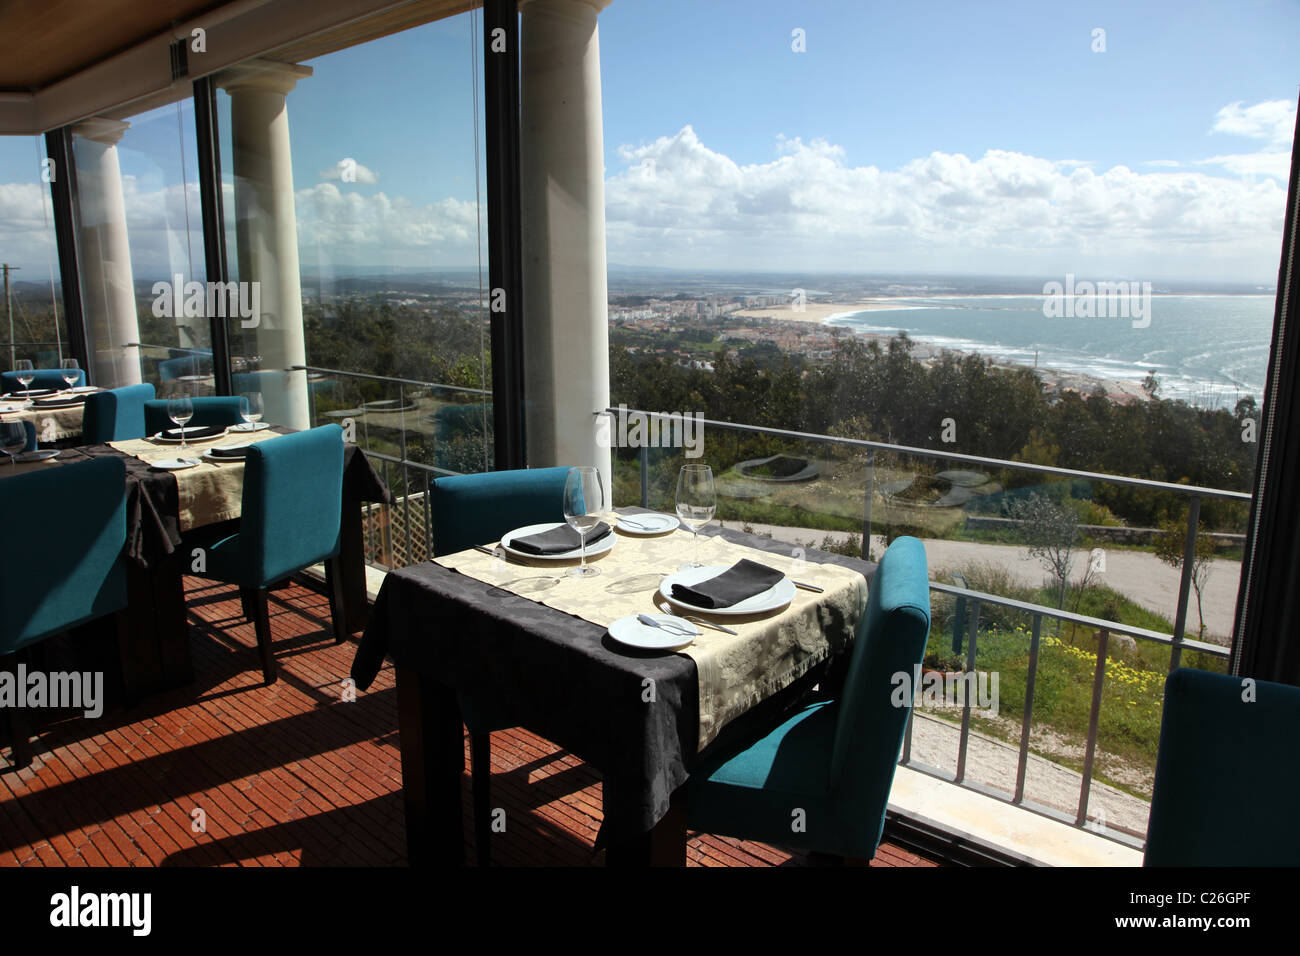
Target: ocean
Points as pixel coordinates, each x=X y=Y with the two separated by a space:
x=1207 y=349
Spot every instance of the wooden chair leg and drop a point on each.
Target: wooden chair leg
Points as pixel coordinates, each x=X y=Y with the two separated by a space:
x=262 y=625
x=247 y=601
x=480 y=763
x=338 y=610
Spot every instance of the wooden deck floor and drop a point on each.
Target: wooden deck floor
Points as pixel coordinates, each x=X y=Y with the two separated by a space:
x=287 y=775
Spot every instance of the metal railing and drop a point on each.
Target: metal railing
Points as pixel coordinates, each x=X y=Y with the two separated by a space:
x=969 y=602
x=966 y=617
x=401 y=533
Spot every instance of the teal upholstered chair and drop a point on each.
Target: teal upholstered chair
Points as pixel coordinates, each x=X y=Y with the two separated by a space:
x=45 y=378
x=833 y=759
x=29 y=429
x=289 y=520
x=1226 y=779
x=471 y=510
x=116 y=415
x=208 y=410
x=69 y=527
x=185 y=362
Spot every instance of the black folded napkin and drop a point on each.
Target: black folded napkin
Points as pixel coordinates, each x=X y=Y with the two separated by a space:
x=195 y=432
x=230 y=451
x=558 y=540
x=59 y=401
x=33 y=393
x=742 y=580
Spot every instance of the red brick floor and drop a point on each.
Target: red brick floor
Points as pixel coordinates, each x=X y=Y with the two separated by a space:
x=287 y=775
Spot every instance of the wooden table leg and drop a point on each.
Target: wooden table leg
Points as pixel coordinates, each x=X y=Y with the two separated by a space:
x=433 y=759
x=665 y=845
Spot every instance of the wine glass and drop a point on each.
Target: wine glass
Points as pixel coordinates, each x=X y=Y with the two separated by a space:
x=180 y=410
x=250 y=409
x=584 y=502
x=71 y=371
x=26 y=374
x=696 y=501
x=13 y=439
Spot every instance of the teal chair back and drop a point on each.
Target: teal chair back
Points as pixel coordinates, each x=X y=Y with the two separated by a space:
x=1227 y=781
x=29 y=428
x=115 y=415
x=45 y=378
x=70 y=524
x=477 y=509
x=208 y=410
x=890 y=640
x=293 y=498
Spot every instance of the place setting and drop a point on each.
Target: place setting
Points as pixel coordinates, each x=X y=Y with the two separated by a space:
x=582 y=535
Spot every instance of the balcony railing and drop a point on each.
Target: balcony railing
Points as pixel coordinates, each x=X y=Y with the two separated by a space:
x=968 y=605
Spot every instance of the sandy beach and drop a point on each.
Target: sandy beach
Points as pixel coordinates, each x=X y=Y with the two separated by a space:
x=818 y=311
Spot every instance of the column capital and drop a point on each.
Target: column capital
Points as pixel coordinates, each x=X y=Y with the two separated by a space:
x=101 y=130
x=596 y=5
x=263 y=75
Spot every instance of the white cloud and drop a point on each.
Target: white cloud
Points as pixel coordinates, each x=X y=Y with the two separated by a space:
x=678 y=202
x=345 y=227
x=1271 y=120
x=348 y=170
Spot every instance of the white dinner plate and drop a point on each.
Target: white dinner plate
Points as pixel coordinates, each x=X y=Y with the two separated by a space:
x=250 y=426
x=44 y=454
x=12 y=407
x=647 y=524
x=773 y=599
x=630 y=631
x=172 y=436
x=176 y=464
x=600 y=547
x=83 y=389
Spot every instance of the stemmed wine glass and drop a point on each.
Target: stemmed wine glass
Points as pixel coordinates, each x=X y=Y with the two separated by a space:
x=250 y=409
x=71 y=371
x=696 y=501
x=13 y=439
x=180 y=410
x=26 y=374
x=584 y=502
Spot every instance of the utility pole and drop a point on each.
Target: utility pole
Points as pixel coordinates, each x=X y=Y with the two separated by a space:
x=9 y=304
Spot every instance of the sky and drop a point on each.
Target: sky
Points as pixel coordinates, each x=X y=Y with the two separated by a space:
x=828 y=135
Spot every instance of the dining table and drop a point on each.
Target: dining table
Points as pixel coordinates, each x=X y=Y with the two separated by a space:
x=163 y=505
x=57 y=425
x=520 y=637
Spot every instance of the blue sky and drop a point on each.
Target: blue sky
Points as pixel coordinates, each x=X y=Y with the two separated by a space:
x=945 y=136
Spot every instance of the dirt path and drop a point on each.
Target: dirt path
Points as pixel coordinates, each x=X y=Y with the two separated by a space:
x=1138 y=575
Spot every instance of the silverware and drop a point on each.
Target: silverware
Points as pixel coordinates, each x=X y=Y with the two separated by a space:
x=668 y=609
x=648 y=621
x=807 y=587
x=479 y=547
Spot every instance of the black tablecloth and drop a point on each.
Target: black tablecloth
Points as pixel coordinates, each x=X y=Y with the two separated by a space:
x=557 y=675
x=153 y=503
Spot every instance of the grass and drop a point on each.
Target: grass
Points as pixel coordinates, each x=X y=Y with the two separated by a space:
x=1132 y=690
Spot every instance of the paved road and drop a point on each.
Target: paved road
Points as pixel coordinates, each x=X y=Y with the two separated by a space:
x=1138 y=575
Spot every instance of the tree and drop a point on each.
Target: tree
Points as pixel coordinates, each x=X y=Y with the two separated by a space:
x=1171 y=547
x=1050 y=531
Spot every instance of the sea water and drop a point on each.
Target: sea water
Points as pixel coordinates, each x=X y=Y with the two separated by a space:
x=1207 y=349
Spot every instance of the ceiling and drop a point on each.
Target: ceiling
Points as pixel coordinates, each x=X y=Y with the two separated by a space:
x=43 y=41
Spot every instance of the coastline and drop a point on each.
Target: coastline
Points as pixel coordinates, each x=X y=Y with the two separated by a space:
x=819 y=312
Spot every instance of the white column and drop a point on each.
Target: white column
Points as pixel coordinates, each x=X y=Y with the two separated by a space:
x=108 y=289
x=566 y=325
x=266 y=228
